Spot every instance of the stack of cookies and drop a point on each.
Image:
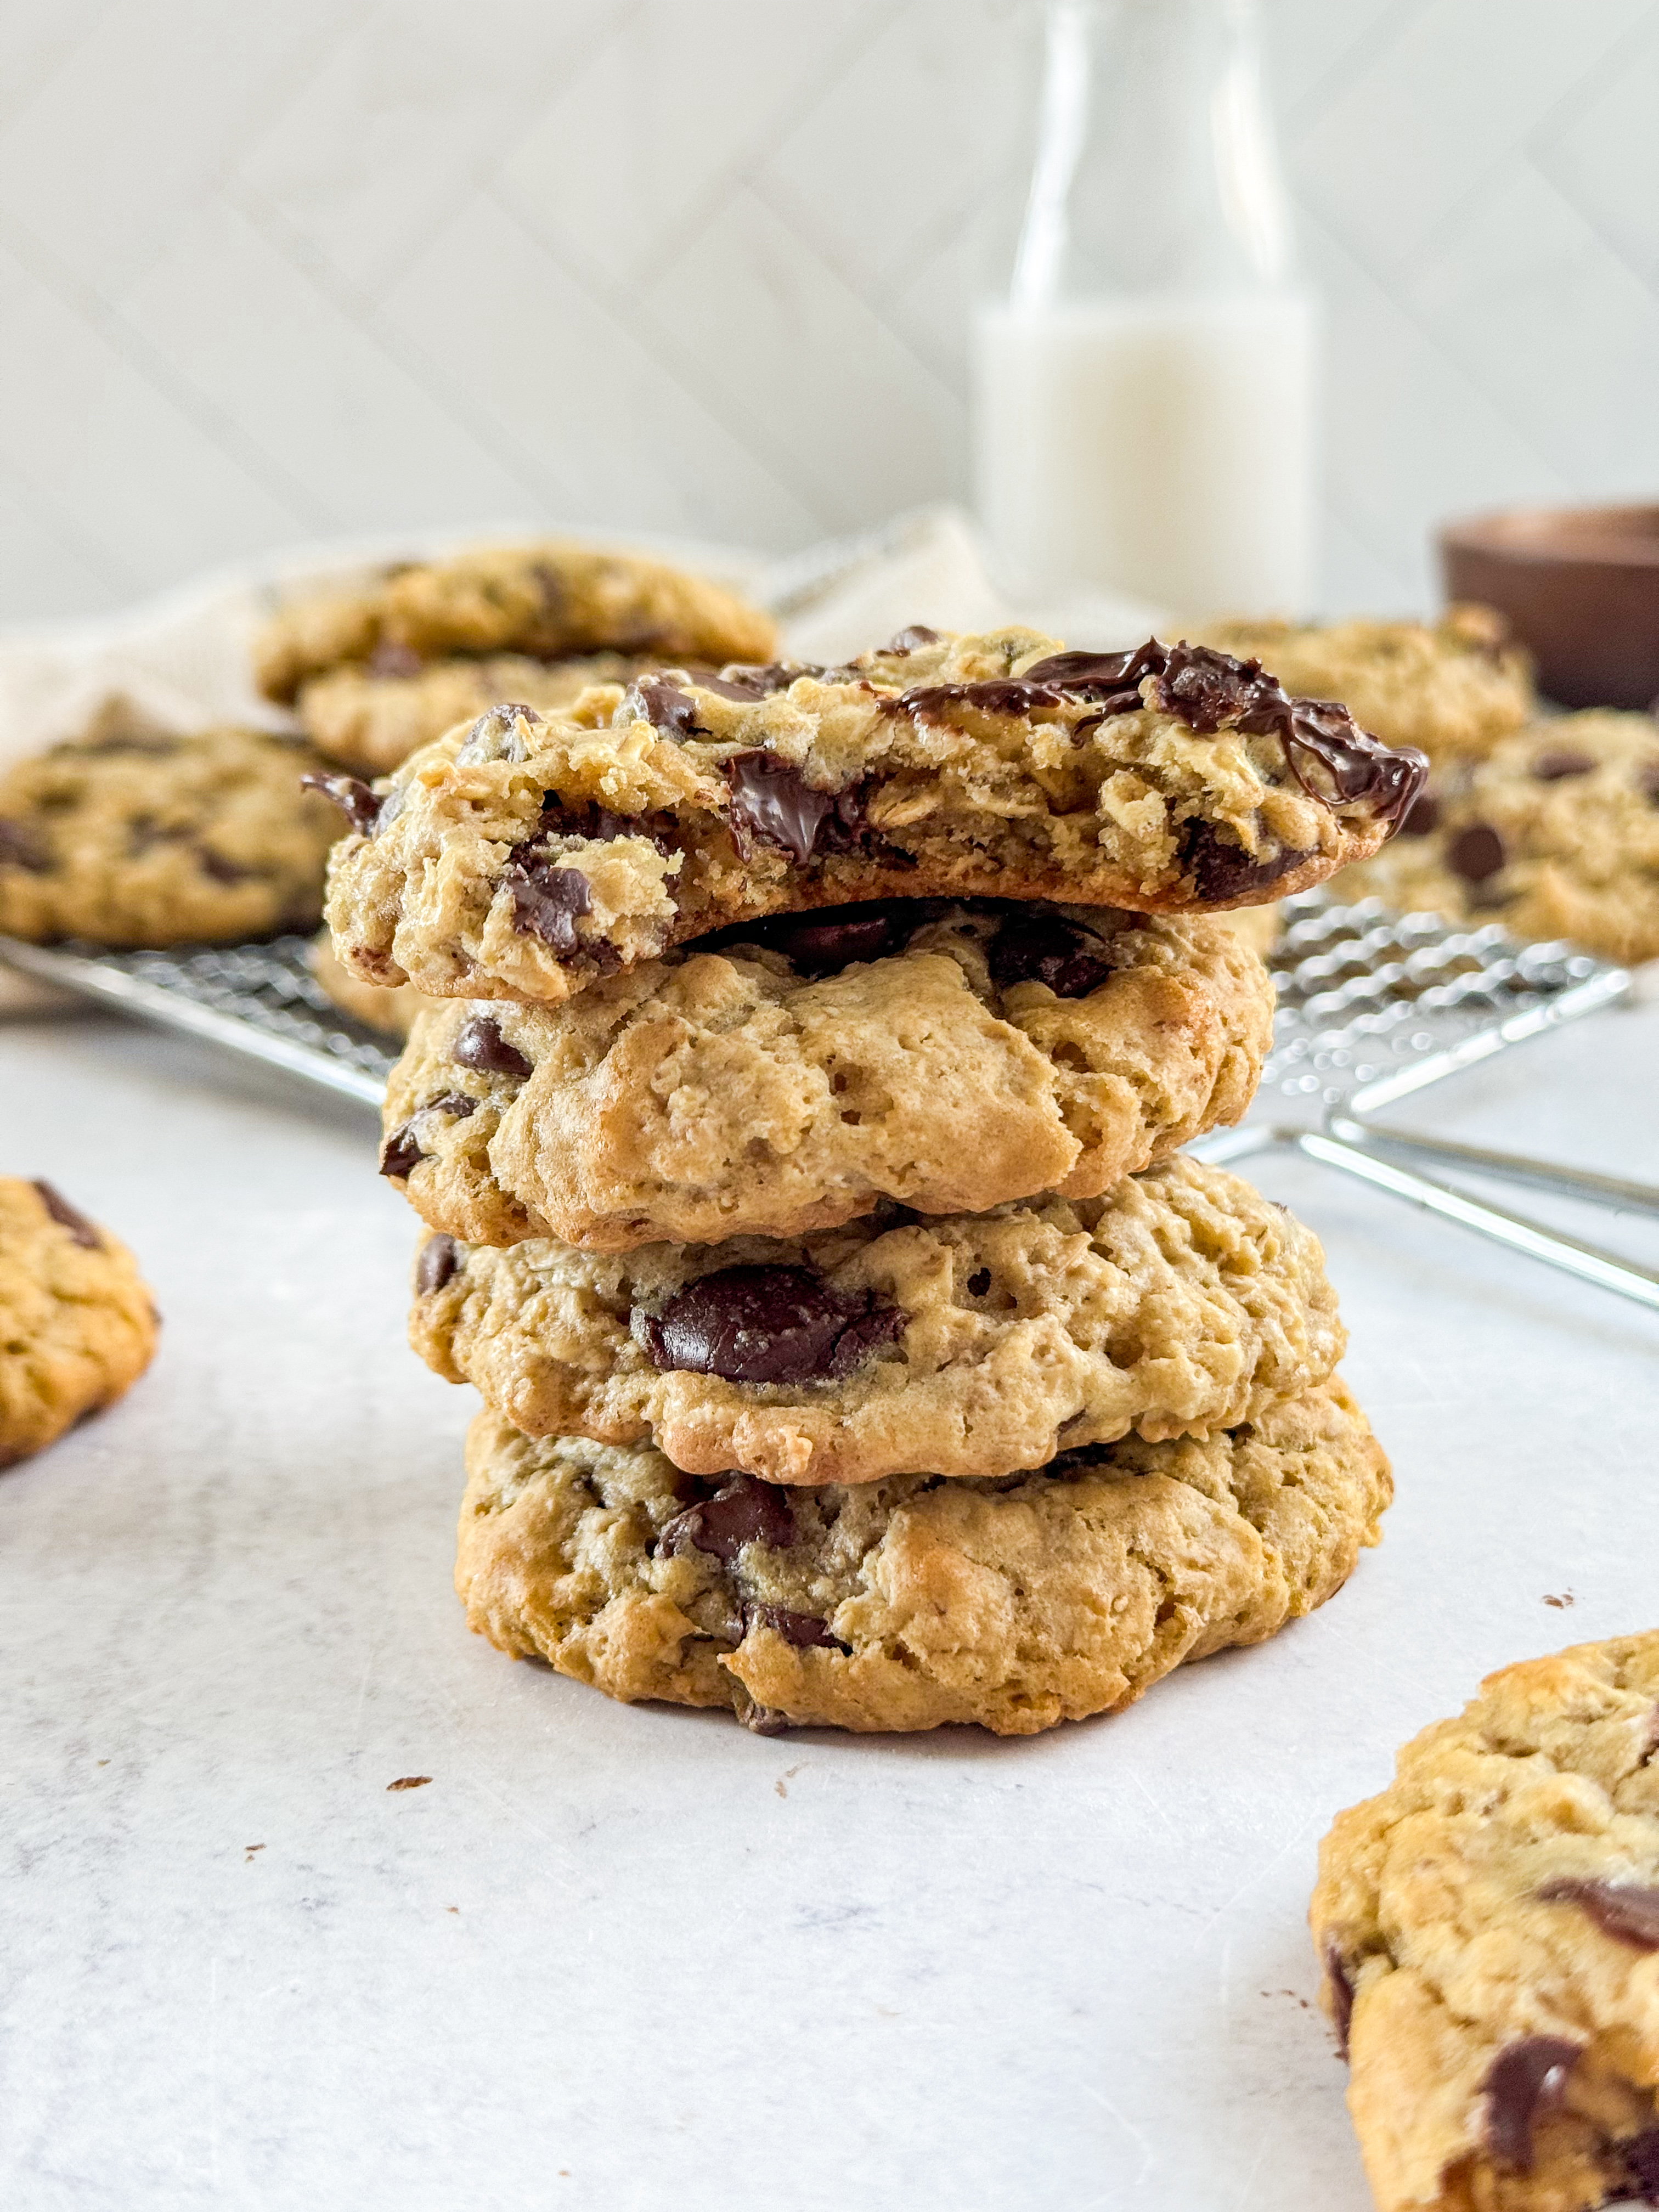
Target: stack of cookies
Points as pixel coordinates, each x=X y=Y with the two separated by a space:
x=799 y=1141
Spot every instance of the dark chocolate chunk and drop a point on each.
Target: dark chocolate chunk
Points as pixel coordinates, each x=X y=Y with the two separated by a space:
x=1561 y=762
x=1523 y=2085
x=401 y=1153
x=911 y=640
x=453 y=1103
x=661 y=702
x=221 y=870
x=350 y=795
x=825 y=942
x=440 y=1256
x=391 y=658
x=978 y=1284
x=743 y=1511
x=803 y=1630
x=1222 y=872
x=1476 y=853
x=1421 y=817
x=1206 y=689
x=82 y=1230
x=772 y=800
x=481 y=1045
x=23 y=846
x=546 y=897
x=766 y=1325
x=1341 y=1987
x=1039 y=946
x=1628 y=1912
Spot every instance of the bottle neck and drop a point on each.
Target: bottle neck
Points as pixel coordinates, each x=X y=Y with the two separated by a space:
x=1157 y=173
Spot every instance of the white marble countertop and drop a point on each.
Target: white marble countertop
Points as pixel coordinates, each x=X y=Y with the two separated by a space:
x=628 y=1961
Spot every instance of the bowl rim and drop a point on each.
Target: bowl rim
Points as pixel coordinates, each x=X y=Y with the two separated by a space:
x=1501 y=535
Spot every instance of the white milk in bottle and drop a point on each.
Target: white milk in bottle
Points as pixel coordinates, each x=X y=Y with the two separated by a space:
x=1145 y=396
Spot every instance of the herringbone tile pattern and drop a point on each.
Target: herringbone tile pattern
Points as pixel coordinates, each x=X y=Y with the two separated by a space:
x=704 y=266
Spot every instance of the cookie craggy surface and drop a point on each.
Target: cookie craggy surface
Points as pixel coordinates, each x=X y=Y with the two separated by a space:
x=76 y=1324
x=1453 y=689
x=546 y=599
x=1556 y=835
x=1489 y=1928
x=134 y=837
x=522 y=858
x=914 y=1602
x=944 y=1056
x=1182 y=1301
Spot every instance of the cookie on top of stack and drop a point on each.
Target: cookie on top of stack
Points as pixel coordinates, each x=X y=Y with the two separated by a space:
x=800 y=1146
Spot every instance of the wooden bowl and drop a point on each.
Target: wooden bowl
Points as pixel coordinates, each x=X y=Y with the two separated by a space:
x=1580 y=588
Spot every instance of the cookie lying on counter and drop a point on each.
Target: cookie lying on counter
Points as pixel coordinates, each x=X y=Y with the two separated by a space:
x=523 y=858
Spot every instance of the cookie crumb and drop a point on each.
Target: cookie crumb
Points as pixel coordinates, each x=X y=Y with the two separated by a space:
x=410 y=1782
x=1563 y=1601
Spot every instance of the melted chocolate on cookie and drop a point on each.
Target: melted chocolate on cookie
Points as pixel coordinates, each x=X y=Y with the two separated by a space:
x=1524 y=2084
x=350 y=795
x=479 y=1044
x=1628 y=1912
x=765 y=1324
x=771 y=801
x=440 y=1256
x=743 y=1511
x=1041 y=946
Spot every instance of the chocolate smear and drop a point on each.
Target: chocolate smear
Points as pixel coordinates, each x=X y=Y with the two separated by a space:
x=479 y=1044
x=1223 y=871
x=1628 y=1912
x=745 y=1510
x=1523 y=2085
x=23 y=846
x=1043 y=947
x=773 y=801
x=546 y=897
x=440 y=1256
x=803 y=1630
x=1421 y=817
x=1559 y=762
x=350 y=795
x=767 y=1324
x=660 y=701
x=1341 y=1988
x=1476 y=853
x=83 y=1232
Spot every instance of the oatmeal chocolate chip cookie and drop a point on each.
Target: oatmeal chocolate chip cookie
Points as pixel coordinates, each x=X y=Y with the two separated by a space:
x=548 y=600
x=392 y=1012
x=1557 y=834
x=947 y=1057
x=914 y=1602
x=1453 y=689
x=76 y=1324
x=1180 y=1302
x=523 y=858
x=133 y=837
x=368 y=717
x=1488 y=1927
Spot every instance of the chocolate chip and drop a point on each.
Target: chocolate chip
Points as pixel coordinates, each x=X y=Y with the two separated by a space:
x=495 y=735
x=1640 y=2157
x=772 y=800
x=823 y=943
x=401 y=1153
x=1222 y=870
x=663 y=704
x=546 y=898
x=1476 y=853
x=759 y=679
x=23 y=846
x=83 y=1232
x=1341 y=1996
x=391 y=658
x=222 y=870
x=1043 y=947
x=440 y=1256
x=1559 y=762
x=1523 y=2085
x=979 y=1284
x=1421 y=816
x=453 y=1103
x=765 y=1720
x=803 y=1630
x=480 y=1044
x=350 y=795
x=1628 y=1912
x=766 y=1325
x=911 y=640
x=745 y=1510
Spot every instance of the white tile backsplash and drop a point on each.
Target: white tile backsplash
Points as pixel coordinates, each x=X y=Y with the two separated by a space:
x=704 y=265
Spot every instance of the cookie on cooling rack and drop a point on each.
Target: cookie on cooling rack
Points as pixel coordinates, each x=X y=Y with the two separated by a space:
x=134 y=836
x=1180 y=1302
x=1555 y=836
x=524 y=859
x=914 y=1602
x=944 y=1056
x=77 y=1326
x=1488 y=1926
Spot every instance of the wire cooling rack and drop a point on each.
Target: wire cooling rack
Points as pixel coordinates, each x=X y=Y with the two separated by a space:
x=1371 y=1005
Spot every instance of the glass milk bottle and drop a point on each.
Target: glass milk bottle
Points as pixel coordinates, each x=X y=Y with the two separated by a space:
x=1145 y=396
